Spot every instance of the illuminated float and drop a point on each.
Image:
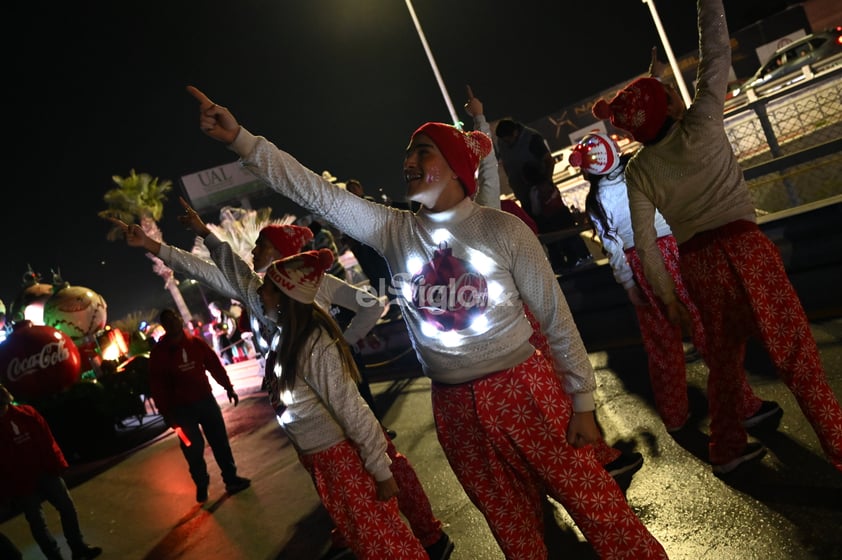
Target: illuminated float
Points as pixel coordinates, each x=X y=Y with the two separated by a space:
x=62 y=358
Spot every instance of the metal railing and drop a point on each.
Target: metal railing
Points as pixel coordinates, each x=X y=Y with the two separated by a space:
x=789 y=143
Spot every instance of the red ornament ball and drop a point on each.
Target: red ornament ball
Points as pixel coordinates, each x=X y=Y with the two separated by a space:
x=38 y=361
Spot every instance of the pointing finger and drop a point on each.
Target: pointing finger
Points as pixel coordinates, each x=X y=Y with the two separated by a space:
x=204 y=101
x=470 y=92
x=117 y=222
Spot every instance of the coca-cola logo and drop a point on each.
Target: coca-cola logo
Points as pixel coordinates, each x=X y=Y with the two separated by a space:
x=50 y=355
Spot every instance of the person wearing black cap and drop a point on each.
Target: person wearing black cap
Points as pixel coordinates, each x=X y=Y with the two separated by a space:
x=529 y=165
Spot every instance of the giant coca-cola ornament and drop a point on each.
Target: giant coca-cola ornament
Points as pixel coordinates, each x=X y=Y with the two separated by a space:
x=38 y=361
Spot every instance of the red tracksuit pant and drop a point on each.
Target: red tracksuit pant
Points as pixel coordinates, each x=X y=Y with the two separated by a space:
x=505 y=437
x=737 y=279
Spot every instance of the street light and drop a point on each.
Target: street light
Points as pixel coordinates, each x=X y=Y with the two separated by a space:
x=670 y=56
x=433 y=64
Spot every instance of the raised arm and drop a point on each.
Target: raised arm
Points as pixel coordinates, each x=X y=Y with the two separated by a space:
x=180 y=261
x=361 y=219
x=214 y=120
x=488 y=178
x=135 y=236
x=714 y=58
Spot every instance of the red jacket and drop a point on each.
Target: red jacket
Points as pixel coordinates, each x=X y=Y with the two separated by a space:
x=513 y=207
x=177 y=372
x=28 y=450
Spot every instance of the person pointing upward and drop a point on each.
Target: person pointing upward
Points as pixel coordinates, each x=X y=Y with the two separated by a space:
x=464 y=272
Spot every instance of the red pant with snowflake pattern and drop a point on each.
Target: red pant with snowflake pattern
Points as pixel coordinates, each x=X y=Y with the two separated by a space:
x=412 y=502
x=374 y=530
x=505 y=437
x=604 y=453
x=664 y=346
x=737 y=279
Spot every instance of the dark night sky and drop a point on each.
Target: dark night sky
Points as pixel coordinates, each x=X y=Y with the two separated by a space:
x=97 y=89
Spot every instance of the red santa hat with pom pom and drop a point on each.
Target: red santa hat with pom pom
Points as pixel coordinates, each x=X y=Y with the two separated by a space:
x=639 y=108
x=596 y=154
x=299 y=276
x=462 y=150
x=287 y=239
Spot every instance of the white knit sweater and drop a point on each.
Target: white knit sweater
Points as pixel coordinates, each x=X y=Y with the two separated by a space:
x=324 y=408
x=495 y=245
x=614 y=198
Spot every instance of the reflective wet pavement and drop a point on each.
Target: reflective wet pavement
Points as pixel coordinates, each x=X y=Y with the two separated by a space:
x=140 y=504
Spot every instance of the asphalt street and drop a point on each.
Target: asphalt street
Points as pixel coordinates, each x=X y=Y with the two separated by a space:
x=139 y=504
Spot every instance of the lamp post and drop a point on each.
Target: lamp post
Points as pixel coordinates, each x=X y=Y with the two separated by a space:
x=679 y=79
x=433 y=65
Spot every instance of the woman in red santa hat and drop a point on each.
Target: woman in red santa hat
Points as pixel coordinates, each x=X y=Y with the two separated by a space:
x=338 y=439
x=607 y=204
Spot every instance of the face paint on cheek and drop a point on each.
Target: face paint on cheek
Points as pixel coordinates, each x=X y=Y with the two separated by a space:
x=433 y=175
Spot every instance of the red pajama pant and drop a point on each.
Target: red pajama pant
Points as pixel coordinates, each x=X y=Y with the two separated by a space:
x=505 y=437
x=663 y=342
x=412 y=501
x=737 y=279
x=374 y=530
x=604 y=453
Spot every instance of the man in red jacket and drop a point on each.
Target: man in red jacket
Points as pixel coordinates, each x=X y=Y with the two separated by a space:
x=179 y=385
x=31 y=463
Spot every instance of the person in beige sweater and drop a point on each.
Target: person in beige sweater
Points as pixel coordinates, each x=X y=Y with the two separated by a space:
x=687 y=170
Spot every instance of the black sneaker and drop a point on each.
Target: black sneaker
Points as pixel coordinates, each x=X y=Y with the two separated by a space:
x=391 y=433
x=441 y=549
x=86 y=552
x=751 y=452
x=202 y=493
x=237 y=485
x=768 y=416
x=627 y=462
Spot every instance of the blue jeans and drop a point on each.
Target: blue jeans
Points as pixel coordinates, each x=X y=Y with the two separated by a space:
x=52 y=489
x=200 y=417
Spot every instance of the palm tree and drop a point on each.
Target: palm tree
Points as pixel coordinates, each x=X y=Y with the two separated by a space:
x=140 y=198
